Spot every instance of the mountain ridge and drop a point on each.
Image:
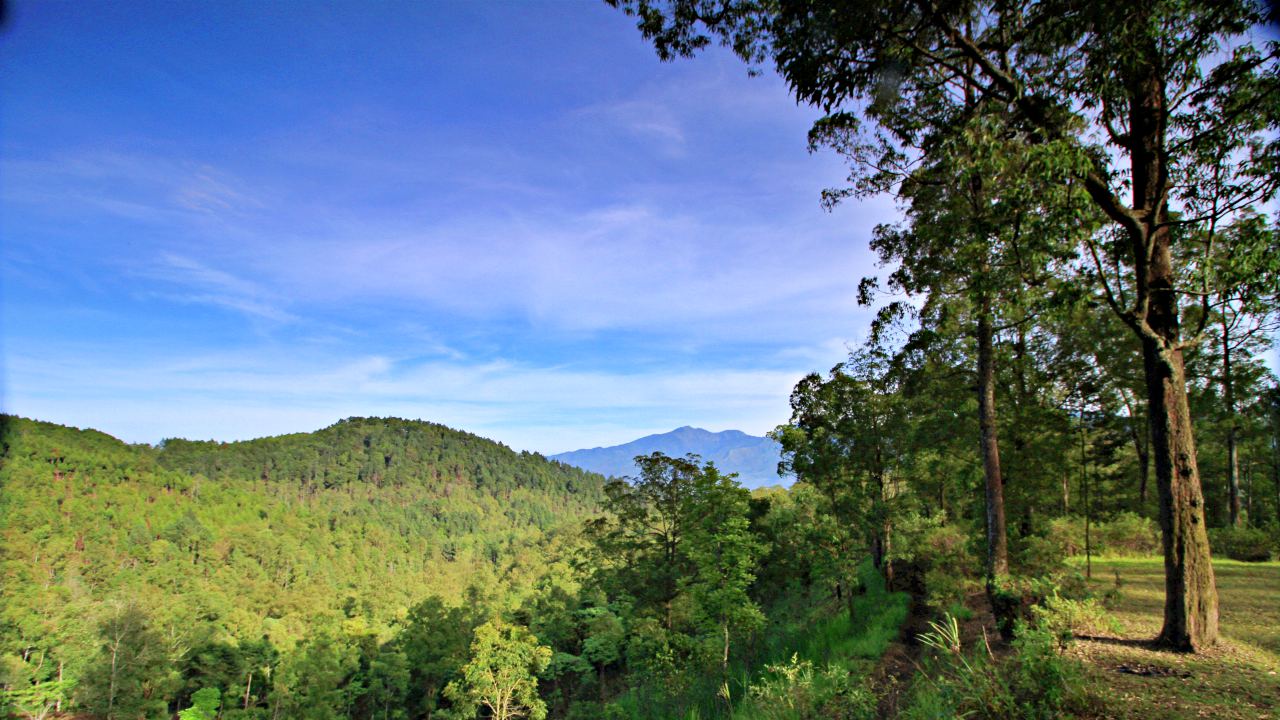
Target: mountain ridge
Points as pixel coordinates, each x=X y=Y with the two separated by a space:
x=753 y=458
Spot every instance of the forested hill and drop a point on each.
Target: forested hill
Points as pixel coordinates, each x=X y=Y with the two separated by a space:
x=267 y=538
x=386 y=452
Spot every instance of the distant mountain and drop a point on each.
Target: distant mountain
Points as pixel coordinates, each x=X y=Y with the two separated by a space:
x=755 y=459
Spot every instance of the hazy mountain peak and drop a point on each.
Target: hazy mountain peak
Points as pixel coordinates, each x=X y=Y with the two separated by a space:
x=754 y=459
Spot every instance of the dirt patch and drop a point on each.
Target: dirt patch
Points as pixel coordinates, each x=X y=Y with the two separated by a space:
x=980 y=628
x=892 y=676
x=1152 y=671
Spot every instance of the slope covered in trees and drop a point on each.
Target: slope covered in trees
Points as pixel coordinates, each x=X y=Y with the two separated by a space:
x=259 y=544
x=393 y=569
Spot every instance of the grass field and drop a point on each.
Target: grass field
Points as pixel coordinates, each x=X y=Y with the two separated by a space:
x=1239 y=679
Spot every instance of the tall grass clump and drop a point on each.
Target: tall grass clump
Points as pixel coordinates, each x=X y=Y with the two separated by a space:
x=1035 y=682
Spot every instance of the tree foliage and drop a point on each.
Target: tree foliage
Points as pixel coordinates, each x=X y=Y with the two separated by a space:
x=502 y=674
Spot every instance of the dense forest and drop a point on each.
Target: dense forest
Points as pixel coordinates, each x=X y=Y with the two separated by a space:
x=213 y=563
x=1065 y=373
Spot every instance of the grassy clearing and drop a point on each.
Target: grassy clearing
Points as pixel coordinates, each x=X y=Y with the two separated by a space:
x=1238 y=679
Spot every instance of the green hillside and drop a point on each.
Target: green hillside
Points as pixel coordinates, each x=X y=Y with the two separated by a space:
x=266 y=539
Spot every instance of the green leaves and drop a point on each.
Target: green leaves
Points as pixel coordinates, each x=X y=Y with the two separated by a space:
x=204 y=705
x=502 y=674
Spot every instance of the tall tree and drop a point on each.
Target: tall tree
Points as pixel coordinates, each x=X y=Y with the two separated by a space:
x=985 y=223
x=843 y=439
x=642 y=540
x=121 y=684
x=723 y=552
x=502 y=673
x=1271 y=408
x=434 y=642
x=204 y=705
x=1240 y=280
x=1162 y=112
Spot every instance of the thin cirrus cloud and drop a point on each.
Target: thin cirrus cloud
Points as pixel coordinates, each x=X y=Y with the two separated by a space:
x=692 y=280
x=190 y=281
x=131 y=185
x=599 y=267
x=646 y=120
x=618 y=267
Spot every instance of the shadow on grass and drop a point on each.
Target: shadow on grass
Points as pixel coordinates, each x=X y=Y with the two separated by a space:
x=1140 y=643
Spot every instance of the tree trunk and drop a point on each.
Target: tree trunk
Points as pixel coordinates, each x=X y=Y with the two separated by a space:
x=888 y=555
x=1191 y=597
x=1233 y=454
x=1275 y=479
x=1141 y=448
x=1084 y=490
x=997 y=542
x=1248 y=492
x=724 y=659
x=1144 y=470
x=111 y=690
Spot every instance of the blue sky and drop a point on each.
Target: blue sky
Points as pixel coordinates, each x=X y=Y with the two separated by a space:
x=233 y=219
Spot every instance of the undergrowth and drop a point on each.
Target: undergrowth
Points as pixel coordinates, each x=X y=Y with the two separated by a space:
x=826 y=674
x=810 y=661
x=1035 y=682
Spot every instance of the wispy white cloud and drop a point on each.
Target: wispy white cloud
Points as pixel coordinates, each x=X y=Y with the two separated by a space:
x=189 y=281
x=543 y=408
x=127 y=184
x=649 y=119
x=202 y=190
x=624 y=267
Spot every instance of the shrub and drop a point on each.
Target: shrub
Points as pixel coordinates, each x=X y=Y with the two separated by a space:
x=1011 y=601
x=1125 y=535
x=928 y=702
x=1044 y=683
x=1063 y=618
x=785 y=690
x=1129 y=535
x=1042 y=555
x=947 y=563
x=1069 y=583
x=956 y=683
x=948 y=546
x=792 y=690
x=1014 y=597
x=1066 y=534
x=844 y=697
x=1245 y=544
x=944 y=588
